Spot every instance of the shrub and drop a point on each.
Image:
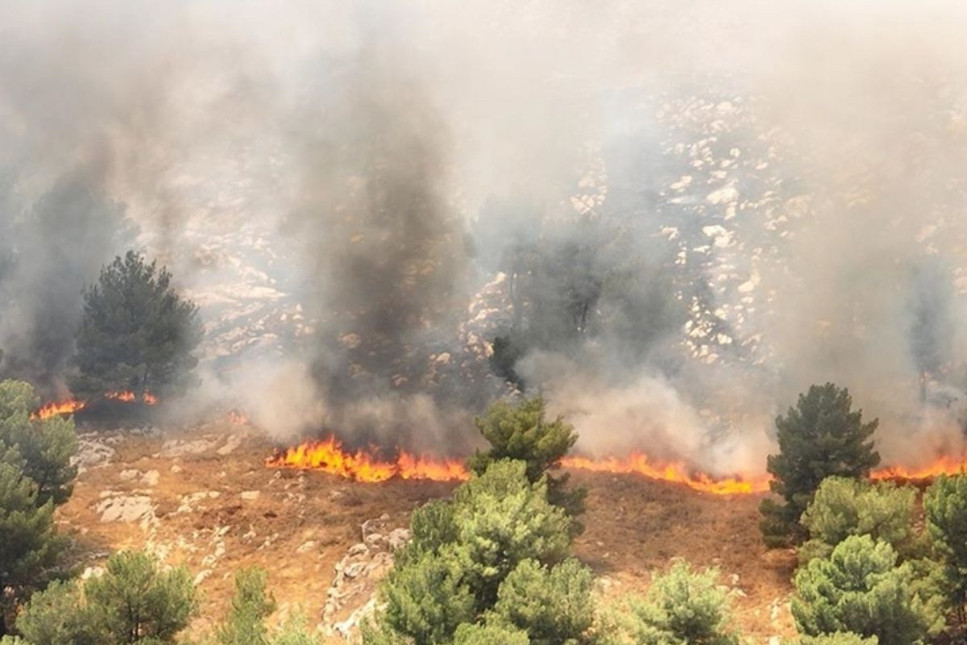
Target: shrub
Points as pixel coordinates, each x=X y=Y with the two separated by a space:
x=821 y=437
x=839 y=638
x=523 y=433
x=502 y=520
x=57 y=616
x=134 y=601
x=682 y=607
x=844 y=507
x=425 y=600
x=250 y=607
x=859 y=589
x=489 y=634
x=945 y=507
x=553 y=606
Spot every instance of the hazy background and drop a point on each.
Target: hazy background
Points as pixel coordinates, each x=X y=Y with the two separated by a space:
x=685 y=213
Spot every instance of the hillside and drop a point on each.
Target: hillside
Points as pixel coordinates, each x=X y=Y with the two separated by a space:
x=203 y=497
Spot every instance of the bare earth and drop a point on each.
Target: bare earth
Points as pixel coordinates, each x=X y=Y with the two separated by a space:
x=202 y=497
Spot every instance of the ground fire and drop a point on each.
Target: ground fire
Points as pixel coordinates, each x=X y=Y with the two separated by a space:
x=329 y=456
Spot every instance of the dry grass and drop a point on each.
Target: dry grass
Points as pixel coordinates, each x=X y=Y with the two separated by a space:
x=634 y=526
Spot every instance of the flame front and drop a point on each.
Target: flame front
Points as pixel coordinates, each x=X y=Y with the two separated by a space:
x=58 y=408
x=329 y=456
x=127 y=396
x=940 y=466
x=676 y=472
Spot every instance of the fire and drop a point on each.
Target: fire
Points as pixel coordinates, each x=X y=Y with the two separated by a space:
x=676 y=472
x=940 y=466
x=58 y=408
x=127 y=396
x=329 y=456
x=69 y=406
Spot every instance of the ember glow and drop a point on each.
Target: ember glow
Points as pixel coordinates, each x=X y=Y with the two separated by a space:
x=58 y=408
x=365 y=466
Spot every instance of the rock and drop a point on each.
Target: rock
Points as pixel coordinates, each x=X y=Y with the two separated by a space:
x=305 y=547
x=234 y=441
x=150 y=478
x=179 y=448
x=202 y=575
x=358 y=549
x=92 y=452
x=175 y=468
x=128 y=508
x=250 y=495
x=128 y=475
x=398 y=537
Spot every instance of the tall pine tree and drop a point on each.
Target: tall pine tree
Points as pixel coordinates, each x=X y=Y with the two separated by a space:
x=819 y=438
x=137 y=333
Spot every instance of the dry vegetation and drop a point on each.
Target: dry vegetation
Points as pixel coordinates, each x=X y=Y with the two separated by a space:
x=215 y=507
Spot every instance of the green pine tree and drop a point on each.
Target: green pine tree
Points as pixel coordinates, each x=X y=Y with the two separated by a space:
x=137 y=334
x=819 y=438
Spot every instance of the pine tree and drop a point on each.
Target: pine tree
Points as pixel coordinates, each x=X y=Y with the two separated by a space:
x=522 y=432
x=945 y=507
x=250 y=607
x=819 y=438
x=137 y=334
x=859 y=588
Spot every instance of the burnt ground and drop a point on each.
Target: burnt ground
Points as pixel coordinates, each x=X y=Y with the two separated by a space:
x=202 y=497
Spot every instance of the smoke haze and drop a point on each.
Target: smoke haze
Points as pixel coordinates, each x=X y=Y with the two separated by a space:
x=677 y=215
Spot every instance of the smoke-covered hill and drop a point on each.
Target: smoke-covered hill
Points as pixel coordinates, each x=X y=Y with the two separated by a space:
x=675 y=217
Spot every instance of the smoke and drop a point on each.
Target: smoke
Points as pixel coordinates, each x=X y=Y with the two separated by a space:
x=675 y=216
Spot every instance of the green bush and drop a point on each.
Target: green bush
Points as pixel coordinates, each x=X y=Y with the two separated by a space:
x=839 y=638
x=821 y=437
x=58 y=616
x=682 y=607
x=553 y=606
x=489 y=634
x=250 y=607
x=945 y=507
x=131 y=602
x=35 y=475
x=844 y=507
x=503 y=519
x=859 y=588
x=42 y=449
x=522 y=432
x=426 y=599
x=295 y=631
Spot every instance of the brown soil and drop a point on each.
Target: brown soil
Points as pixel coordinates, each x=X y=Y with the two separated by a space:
x=299 y=525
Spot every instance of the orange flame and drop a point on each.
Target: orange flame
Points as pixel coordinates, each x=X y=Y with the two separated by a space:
x=57 y=408
x=640 y=464
x=940 y=466
x=127 y=396
x=329 y=457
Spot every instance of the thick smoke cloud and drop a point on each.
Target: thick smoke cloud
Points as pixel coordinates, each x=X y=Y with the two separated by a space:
x=676 y=216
